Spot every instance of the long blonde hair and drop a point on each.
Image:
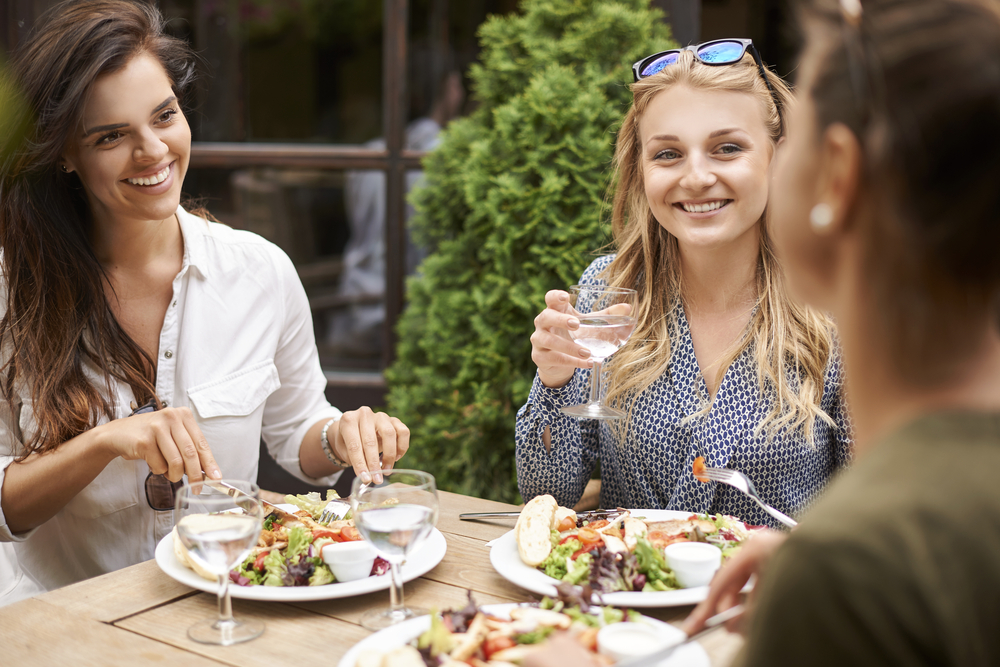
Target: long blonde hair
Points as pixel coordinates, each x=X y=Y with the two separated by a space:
x=787 y=339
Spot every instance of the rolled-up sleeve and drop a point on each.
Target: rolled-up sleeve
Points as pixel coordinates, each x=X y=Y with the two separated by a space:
x=10 y=448
x=564 y=469
x=300 y=402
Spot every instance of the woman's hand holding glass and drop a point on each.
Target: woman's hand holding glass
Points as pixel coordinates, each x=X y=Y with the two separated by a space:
x=555 y=353
x=580 y=330
x=168 y=440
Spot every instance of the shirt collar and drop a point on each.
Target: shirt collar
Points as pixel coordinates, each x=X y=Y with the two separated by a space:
x=194 y=229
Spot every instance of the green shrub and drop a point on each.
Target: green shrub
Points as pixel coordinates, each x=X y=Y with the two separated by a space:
x=512 y=206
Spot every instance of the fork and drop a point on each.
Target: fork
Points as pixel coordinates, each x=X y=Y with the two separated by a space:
x=741 y=482
x=330 y=512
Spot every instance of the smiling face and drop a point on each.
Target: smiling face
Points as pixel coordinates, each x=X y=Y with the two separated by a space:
x=133 y=145
x=705 y=157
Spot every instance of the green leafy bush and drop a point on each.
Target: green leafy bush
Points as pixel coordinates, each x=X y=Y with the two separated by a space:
x=512 y=206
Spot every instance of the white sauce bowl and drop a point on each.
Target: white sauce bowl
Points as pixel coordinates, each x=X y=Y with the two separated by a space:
x=694 y=563
x=620 y=641
x=349 y=560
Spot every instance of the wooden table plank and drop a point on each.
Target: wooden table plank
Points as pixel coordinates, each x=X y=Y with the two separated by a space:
x=467 y=565
x=453 y=504
x=118 y=594
x=421 y=593
x=292 y=634
x=37 y=633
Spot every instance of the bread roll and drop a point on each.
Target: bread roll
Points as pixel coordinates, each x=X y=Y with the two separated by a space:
x=181 y=552
x=532 y=529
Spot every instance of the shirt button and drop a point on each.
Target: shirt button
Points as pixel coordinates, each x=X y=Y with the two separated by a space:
x=168 y=354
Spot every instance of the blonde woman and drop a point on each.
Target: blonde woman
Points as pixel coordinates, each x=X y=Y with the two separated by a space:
x=721 y=363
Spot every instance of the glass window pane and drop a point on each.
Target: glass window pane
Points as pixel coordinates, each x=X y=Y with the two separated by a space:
x=285 y=70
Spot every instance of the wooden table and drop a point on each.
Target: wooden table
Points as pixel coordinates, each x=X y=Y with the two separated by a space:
x=139 y=616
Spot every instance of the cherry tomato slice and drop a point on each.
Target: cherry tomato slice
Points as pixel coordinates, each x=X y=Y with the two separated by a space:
x=588 y=535
x=350 y=534
x=569 y=523
x=568 y=538
x=332 y=534
x=258 y=563
x=588 y=546
x=600 y=523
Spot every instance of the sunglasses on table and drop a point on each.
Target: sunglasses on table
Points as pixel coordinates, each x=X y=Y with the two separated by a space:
x=715 y=53
x=161 y=493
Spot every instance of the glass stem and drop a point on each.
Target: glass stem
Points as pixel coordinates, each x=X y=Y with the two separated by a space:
x=225 y=602
x=595 y=382
x=396 y=590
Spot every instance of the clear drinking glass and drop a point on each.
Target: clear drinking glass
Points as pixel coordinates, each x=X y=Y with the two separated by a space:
x=395 y=517
x=607 y=319
x=219 y=523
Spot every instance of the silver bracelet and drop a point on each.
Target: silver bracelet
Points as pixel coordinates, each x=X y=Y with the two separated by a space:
x=324 y=442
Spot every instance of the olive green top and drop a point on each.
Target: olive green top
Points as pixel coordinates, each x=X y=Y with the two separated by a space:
x=898 y=563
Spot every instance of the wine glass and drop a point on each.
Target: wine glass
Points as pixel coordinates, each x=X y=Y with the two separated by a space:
x=607 y=319
x=395 y=517
x=219 y=522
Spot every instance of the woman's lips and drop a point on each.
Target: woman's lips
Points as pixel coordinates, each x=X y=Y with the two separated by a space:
x=159 y=182
x=155 y=179
x=703 y=207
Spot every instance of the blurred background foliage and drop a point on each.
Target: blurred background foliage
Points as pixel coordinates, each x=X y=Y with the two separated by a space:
x=513 y=206
x=15 y=119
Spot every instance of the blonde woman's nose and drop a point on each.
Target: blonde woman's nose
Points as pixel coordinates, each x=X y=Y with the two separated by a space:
x=698 y=174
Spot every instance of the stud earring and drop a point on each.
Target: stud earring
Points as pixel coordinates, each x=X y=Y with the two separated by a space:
x=64 y=169
x=820 y=217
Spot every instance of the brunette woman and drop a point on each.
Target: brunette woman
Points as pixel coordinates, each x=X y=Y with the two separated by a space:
x=721 y=363
x=115 y=296
x=885 y=212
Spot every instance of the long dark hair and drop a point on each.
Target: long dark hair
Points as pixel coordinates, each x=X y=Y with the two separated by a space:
x=58 y=327
x=918 y=82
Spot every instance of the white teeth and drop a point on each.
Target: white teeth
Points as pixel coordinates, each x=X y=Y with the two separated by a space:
x=152 y=180
x=706 y=207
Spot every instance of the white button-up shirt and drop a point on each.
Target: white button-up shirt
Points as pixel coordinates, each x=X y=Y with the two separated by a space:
x=237 y=348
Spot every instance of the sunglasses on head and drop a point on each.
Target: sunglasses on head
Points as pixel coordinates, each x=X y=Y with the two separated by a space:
x=716 y=52
x=161 y=493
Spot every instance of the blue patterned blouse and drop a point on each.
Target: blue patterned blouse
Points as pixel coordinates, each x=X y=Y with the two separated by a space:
x=651 y=469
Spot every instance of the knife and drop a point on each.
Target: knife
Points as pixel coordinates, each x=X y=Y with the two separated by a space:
x=592 y=514
x=233 y=492
x=711 y=625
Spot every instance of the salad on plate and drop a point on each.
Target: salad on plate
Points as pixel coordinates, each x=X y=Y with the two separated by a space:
x=289 y=548
x=615 y=550
x=498 y=635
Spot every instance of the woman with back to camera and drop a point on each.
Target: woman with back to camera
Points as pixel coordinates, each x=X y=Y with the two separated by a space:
x=721 y=364
x=885 y=212
x=115 y=296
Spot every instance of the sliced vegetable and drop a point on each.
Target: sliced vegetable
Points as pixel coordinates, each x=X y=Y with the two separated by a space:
x=699 y=469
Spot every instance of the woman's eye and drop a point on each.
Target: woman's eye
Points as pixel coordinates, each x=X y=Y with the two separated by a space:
x=167 y=116
x=110 y=138
x=668 y=154
x=729 y=149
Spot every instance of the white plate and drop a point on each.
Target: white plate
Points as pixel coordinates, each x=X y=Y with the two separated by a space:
x=420 y=562
x=689 y=655
x=508 y=563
